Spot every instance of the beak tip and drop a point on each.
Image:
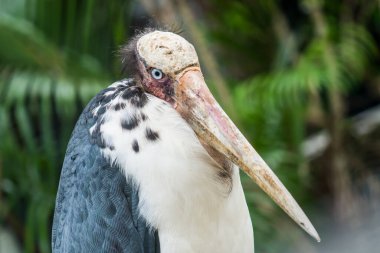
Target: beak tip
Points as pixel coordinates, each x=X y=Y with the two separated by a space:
x=309 y=228
x=316 y=236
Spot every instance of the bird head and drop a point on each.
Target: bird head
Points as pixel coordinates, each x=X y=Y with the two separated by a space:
x=167 y=66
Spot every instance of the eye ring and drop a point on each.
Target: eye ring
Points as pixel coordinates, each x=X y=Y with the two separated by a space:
x=157 y=74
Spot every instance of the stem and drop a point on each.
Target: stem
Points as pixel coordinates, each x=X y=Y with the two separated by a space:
x=1 y=180
x=344 y=199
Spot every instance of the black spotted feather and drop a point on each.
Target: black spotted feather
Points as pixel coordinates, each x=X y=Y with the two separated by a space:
x=96 y=207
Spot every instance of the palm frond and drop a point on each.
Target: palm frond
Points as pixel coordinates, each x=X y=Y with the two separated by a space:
x=37 y=115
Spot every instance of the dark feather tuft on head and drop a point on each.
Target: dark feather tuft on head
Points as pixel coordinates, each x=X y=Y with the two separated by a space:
x=127 y=52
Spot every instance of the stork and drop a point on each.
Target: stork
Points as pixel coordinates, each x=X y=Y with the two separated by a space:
x=153 y=163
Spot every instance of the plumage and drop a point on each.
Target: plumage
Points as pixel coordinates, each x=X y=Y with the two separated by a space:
x=152 y=163
x=97 y=205
x=172 y=196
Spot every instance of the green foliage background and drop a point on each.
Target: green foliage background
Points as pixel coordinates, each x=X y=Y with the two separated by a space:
x=283 y=69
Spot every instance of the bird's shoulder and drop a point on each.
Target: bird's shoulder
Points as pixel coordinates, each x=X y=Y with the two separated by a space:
x=97 y=206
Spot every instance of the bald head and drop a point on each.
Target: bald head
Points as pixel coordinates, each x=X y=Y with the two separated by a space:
x=166 y=51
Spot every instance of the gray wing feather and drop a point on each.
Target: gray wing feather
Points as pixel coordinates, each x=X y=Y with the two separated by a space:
x=96 y=207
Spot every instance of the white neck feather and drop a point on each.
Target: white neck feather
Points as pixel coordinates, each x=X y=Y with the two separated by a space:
x=180 y=193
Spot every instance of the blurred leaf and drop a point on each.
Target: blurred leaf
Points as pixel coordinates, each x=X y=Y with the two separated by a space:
x=23 y=46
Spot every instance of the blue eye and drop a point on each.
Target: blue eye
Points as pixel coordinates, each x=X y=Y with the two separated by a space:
x=157 y=74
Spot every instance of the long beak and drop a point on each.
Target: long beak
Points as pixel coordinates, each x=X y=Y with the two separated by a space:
x=197 y=105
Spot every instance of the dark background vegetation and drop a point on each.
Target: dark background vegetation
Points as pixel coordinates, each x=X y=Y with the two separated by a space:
x=301 y=78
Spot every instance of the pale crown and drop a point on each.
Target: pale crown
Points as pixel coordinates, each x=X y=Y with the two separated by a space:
x=166 y=51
